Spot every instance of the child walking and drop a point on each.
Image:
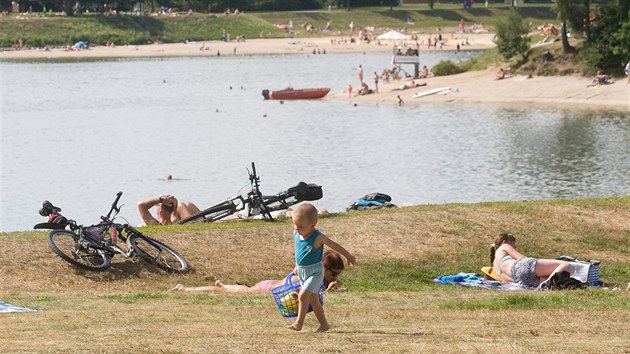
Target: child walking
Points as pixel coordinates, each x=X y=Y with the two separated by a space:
x=309 y=248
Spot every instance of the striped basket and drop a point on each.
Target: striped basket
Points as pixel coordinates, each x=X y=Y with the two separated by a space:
x=593 y=272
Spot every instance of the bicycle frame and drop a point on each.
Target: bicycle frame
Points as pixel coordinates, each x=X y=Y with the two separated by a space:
x=87 y=233
x=254 y=203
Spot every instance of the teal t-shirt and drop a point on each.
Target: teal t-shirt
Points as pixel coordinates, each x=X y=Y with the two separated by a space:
x=305 y=254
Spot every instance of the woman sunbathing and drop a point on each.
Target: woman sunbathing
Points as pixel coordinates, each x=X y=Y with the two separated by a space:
x=333 y=266
x=512 y=266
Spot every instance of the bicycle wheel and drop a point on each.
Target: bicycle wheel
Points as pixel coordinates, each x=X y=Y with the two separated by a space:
x=66 y=245
x=213 y=213
x=157 y=253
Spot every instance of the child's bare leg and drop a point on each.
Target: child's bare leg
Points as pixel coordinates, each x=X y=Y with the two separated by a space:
x=318 y=310
x=304 y=300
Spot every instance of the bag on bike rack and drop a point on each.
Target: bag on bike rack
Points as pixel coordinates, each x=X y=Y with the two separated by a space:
x=303 y=191
x=97 y=232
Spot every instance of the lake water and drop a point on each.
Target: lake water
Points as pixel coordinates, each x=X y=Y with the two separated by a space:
x=77 y=133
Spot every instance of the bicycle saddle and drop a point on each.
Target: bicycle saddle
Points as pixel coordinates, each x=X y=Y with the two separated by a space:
x=48 y=209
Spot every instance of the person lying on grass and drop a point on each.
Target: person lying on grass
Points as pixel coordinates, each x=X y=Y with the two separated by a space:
x=512 y=266
x=333 y=266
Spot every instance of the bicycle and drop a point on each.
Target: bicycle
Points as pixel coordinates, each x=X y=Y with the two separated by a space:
x=89 y=248
x=255 y=203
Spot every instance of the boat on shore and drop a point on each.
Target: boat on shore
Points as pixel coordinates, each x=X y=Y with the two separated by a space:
x=295 y=94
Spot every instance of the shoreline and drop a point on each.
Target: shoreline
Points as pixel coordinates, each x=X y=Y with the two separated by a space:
x=476 y=87
x=257 y=46
x=480 y=87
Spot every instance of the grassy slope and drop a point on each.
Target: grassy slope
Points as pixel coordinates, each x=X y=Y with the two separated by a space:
x=392 y=304
x=55 y=31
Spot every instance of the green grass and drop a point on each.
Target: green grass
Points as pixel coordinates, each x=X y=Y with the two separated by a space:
x=132 y=30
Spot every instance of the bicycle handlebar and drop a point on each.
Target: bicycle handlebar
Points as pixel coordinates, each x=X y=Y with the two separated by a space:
x=114 y=206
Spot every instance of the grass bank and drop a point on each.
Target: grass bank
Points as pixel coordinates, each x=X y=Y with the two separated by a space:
x=391 y=306
x=53 y=30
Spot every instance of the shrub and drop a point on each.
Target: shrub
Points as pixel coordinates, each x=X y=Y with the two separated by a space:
x=446 y=67
x=512 y=36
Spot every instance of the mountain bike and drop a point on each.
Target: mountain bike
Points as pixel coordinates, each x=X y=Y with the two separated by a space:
x=255 y=203
x=92 y=247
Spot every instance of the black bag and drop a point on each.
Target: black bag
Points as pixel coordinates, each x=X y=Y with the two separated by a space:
x=306 y=192
x=563 y=280
x=379 y=197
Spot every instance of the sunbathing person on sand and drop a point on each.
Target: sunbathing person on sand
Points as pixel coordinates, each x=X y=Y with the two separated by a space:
x=500 y=74
x=410 y=85
x=365 y=90
x=600 y=79
x=333 y=265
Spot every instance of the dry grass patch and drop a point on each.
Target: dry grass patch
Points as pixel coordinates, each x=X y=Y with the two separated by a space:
x=392 y=305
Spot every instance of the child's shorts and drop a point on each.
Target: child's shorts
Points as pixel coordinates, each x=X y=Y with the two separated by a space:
x=311 y=277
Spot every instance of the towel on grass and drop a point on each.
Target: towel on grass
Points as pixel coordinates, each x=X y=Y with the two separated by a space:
x=6 y=308
x=474 y=280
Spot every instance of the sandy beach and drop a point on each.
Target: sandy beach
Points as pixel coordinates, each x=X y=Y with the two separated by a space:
x=478 y=87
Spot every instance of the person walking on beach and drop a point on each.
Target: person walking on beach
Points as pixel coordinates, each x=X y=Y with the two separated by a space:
x=349 y=90
x=375 y=82
x=309 y=249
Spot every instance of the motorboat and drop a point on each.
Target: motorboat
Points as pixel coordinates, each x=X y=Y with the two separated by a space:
x=295 y=94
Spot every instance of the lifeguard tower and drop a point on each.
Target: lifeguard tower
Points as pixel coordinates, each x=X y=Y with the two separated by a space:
x=408 y=56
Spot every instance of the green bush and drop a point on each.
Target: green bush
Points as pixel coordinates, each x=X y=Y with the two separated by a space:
x=446 y=67
x=592 y=57
x=512 y=36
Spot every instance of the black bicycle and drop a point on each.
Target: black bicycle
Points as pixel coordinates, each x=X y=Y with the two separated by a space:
x=255 y=203
x=92 y=247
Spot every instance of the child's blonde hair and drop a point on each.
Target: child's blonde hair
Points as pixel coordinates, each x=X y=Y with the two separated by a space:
x=308 y=212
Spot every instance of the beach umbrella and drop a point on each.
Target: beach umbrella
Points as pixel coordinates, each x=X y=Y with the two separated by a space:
x=392 y=35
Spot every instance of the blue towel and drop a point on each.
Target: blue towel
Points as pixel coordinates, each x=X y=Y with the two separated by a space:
x=473 y=280
x=459 y=278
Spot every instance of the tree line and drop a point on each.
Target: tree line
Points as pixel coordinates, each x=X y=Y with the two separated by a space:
x=71 y=7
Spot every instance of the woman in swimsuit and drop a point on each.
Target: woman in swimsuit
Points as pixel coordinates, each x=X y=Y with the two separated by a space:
x=333 y=265
x=512 y=266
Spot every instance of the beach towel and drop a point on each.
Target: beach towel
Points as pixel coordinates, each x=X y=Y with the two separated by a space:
x=6 y=308
x=474 y=280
